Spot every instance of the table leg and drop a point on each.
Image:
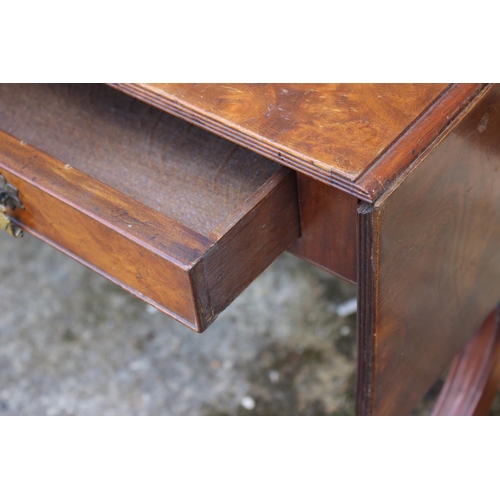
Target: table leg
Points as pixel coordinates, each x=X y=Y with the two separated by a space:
x=474 y=377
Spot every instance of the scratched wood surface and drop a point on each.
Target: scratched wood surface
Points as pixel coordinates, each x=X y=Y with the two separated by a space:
x=333 y=132
x=429 y=269
x=175 y=168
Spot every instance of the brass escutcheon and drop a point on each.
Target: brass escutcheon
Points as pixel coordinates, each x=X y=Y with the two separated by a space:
x=9 y=199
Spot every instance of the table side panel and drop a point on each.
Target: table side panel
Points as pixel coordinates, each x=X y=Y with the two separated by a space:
x=430 y=262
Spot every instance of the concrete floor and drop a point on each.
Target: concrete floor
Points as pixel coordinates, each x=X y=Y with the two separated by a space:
x=72 y=343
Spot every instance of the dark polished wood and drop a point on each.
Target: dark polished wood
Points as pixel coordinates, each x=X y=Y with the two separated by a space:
x=328 y=228
x=429 y=268
x=102 y=204
x=474 y=376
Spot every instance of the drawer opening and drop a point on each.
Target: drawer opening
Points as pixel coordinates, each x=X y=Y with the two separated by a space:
x=176 y=215
x=169 y=165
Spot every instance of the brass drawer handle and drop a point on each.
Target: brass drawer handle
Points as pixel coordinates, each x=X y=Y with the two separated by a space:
x=9 y=198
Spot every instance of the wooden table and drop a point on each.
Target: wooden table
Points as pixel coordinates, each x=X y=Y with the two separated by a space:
x=392 y=187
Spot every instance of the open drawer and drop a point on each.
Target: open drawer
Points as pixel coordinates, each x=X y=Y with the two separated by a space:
x=181 y=218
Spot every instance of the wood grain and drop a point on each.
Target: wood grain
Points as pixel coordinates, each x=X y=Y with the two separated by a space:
x=328 y=228
x=171 y=166
x=333 y=132
x=429 y=269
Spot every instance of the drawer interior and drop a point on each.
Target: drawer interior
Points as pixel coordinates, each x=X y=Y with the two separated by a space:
x=174 y=214
x=173 y=167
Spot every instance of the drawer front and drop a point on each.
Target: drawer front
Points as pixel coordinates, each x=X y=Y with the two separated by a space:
x=191 y=272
